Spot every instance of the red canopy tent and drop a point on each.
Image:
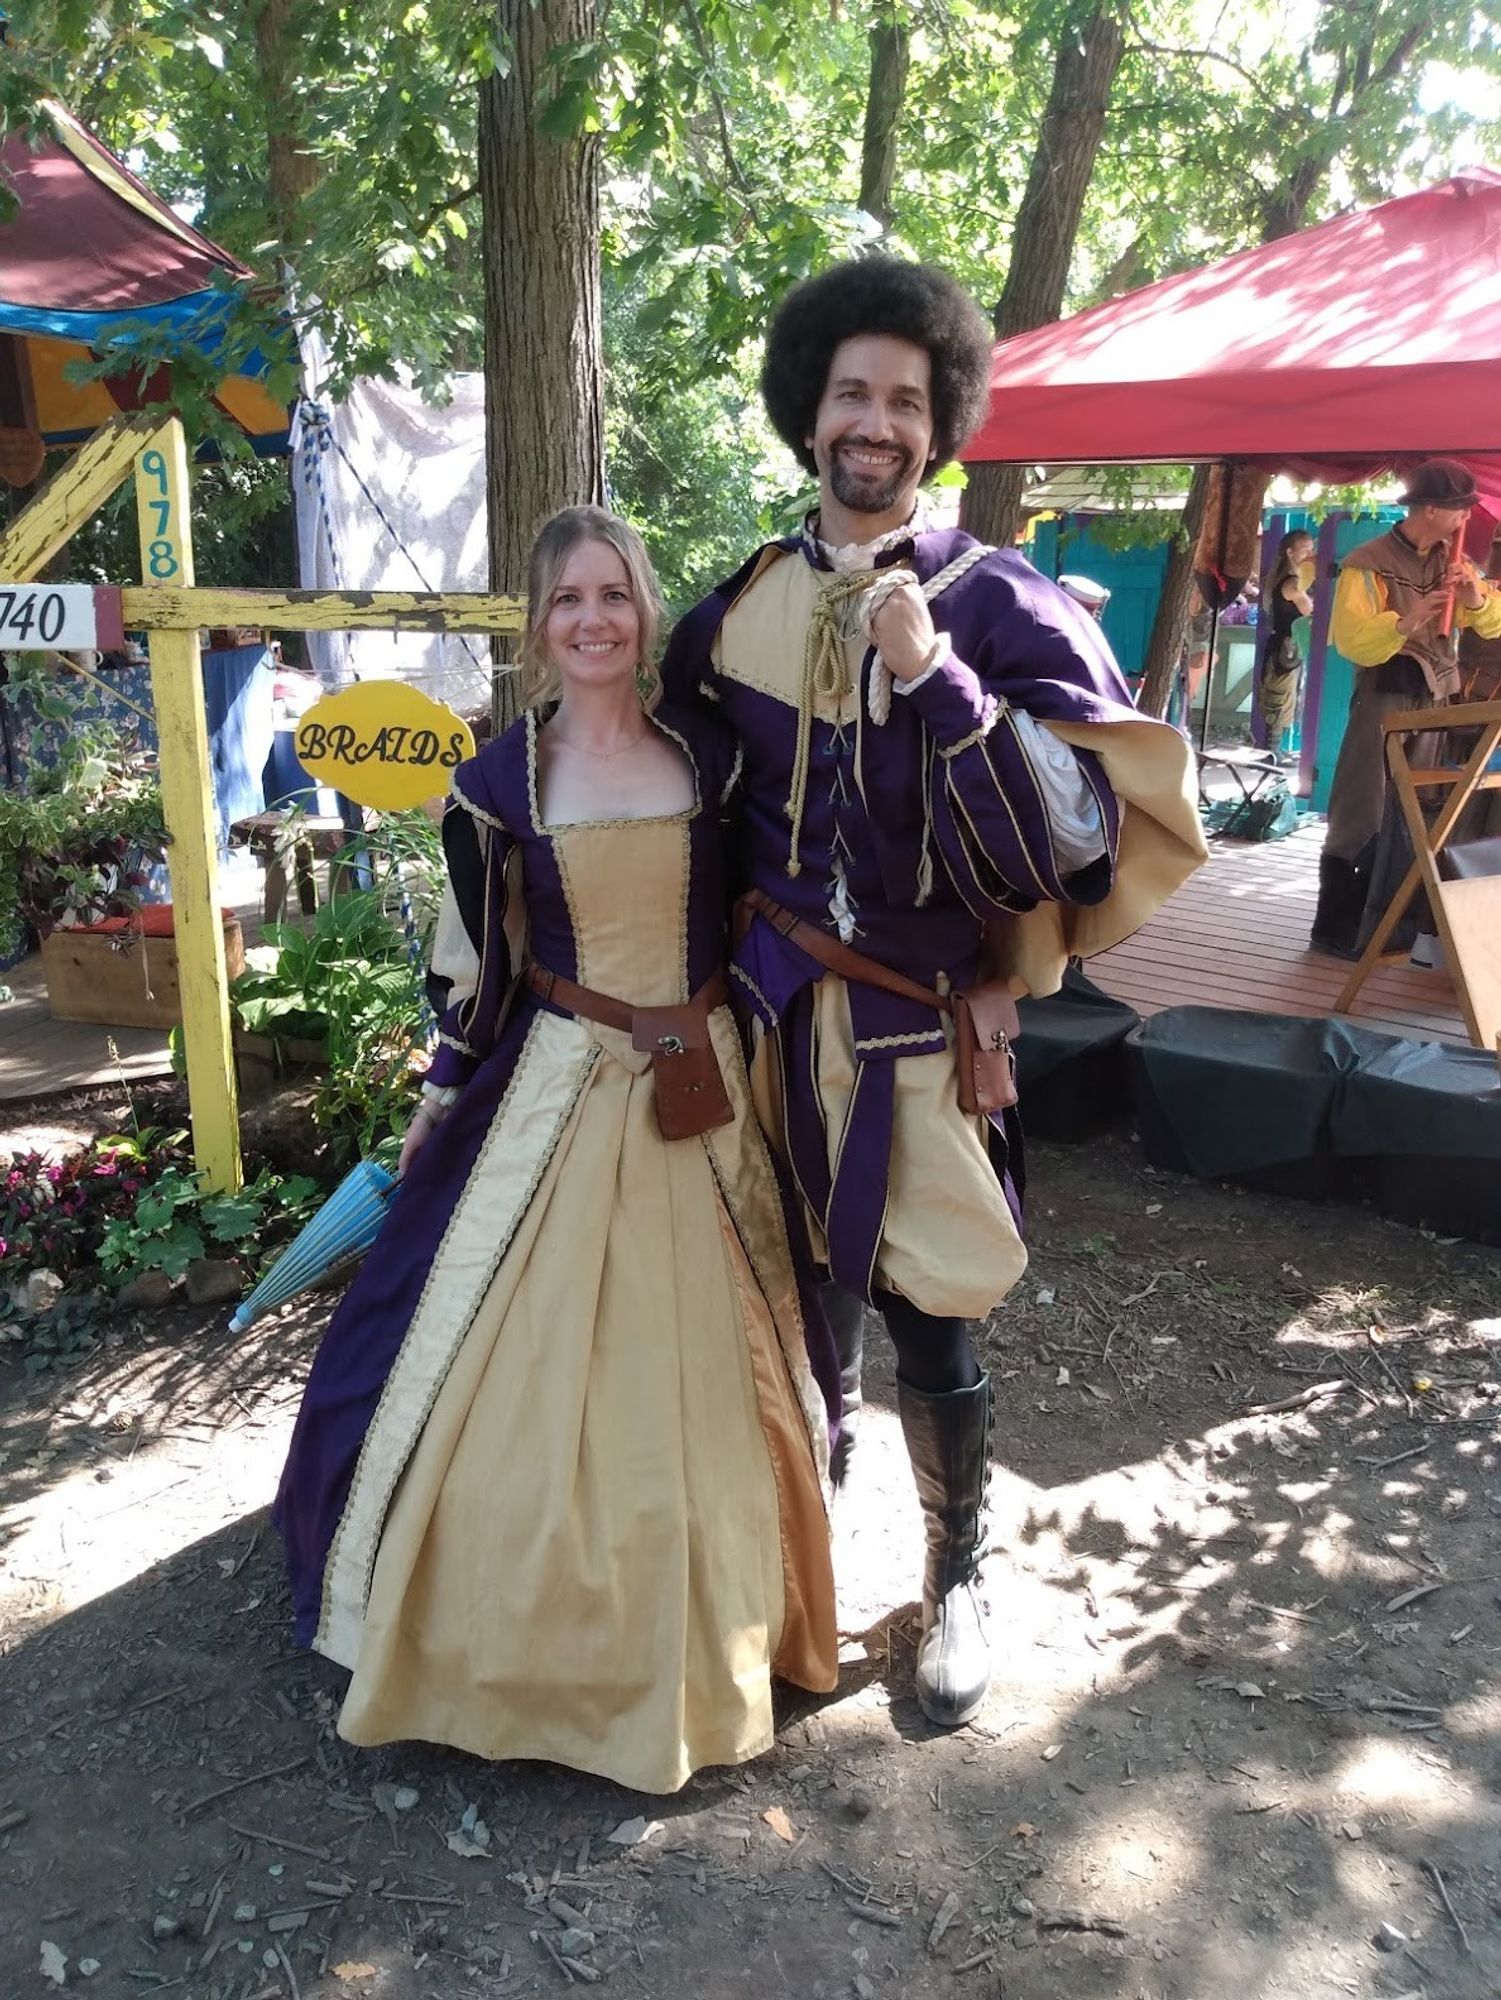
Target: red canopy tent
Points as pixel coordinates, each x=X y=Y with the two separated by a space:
x=1369 y=341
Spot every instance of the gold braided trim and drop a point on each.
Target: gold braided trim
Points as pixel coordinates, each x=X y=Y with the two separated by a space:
x=476 y=812
x=739 y=972
x=735 y=770
x=453 y=1042
x=438 y=1329
x=975 y=736
x=928 y=1036
x=531 y=772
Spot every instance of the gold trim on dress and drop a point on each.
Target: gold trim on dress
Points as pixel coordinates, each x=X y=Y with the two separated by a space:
x=540 y=1100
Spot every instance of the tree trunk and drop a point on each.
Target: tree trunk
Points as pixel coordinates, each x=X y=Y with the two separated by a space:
x=890 y=57
x=1170 y=626
x=1047 y=223
x=544 y=414
x=1283 y=213
x=291 y=171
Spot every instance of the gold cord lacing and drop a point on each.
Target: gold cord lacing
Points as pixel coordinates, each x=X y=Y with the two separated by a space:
x=825 y=676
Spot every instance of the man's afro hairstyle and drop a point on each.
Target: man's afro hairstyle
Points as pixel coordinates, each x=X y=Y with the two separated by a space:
x=877 y=294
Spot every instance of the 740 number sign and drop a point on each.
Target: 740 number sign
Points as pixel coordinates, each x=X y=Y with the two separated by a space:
x=66 y=615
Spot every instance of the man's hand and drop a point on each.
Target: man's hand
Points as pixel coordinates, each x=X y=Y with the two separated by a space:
x=1423 y=611
x=903 y=632
x=1469 y=590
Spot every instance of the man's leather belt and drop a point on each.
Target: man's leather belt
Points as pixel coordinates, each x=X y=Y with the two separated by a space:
x=985 y=1017
x=835 y=956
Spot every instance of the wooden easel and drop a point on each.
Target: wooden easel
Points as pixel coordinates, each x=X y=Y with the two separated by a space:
x=1468 y=913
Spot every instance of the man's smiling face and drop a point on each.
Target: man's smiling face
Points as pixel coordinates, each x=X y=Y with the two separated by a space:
x=873 y=430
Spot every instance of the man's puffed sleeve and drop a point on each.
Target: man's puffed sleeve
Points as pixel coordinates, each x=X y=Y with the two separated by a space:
x=1011 y=805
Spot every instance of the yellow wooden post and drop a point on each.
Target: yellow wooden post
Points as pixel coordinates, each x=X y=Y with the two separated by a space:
x=162 y=509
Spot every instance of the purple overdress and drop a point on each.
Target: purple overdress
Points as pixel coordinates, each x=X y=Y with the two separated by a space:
x=357 y=1377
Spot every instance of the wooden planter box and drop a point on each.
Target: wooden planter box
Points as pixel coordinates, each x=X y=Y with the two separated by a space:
x=111 y=974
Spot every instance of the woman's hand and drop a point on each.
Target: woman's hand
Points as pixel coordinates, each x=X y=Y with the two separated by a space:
x=425 y=1119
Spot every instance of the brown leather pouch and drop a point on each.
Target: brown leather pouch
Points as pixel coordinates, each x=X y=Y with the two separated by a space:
x=985 y=1025
x=691 y=1097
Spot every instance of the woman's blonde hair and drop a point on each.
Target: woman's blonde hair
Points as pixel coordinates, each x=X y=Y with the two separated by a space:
x=556 y=541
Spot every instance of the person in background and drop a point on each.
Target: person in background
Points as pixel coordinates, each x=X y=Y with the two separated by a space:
x=1195 y=657
x=1084 y=590
x=1287 y=599
x=1400 y=605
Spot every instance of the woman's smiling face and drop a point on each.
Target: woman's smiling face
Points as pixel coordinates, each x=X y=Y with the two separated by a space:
x=593 y=629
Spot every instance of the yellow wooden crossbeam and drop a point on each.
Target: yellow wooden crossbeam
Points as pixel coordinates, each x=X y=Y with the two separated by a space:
x=100 y=465
x=163 y=608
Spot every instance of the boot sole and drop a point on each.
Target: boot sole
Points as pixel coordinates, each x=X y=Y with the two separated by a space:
x=947 y=1719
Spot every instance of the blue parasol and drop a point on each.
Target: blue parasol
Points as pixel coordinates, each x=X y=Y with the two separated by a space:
x=348 y=1223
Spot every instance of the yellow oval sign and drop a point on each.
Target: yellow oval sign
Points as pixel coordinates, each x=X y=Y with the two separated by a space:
x=383 y=744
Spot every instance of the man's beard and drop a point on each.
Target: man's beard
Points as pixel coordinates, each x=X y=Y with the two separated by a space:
x=864 y=492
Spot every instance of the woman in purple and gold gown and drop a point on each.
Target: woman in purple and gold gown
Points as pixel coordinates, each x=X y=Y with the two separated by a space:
x=558 y=1485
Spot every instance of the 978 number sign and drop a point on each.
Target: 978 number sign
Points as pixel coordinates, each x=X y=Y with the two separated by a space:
x=69 y=616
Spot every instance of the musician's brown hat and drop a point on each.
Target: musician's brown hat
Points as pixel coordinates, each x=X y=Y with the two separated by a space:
x=1440 y=482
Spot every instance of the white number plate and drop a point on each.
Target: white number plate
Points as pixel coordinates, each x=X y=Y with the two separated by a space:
x=65 y=615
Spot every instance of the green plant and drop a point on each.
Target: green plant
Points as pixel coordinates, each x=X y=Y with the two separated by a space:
x=56 y=1338
x=76 y=845
x=351 y=978
x=175 y=1222
x=54 y=1212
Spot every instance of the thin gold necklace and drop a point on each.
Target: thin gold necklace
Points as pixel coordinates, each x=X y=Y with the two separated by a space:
x=600 y=756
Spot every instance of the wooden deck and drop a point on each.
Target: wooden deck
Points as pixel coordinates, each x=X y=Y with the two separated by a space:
x=40 y=1057
x=1236 y=935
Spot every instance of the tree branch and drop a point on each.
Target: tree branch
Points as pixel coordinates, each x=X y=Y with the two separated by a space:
x=1142 y=46
x=1395 y=63
x=732 y=165
x=455 y=199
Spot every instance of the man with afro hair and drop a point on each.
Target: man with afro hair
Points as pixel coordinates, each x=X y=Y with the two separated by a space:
x=945 y=793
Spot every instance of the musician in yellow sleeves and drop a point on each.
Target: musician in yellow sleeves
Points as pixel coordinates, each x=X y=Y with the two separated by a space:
x=1399 y=605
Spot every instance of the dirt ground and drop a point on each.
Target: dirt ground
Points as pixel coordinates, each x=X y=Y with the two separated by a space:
x=1245 y=1716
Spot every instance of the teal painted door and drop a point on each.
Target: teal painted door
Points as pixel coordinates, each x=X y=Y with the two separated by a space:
x=1132 y=576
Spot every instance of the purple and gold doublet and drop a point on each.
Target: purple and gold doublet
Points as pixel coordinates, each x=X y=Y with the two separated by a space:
x=921 y=838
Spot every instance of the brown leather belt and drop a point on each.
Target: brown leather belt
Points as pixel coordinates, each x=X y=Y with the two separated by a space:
x=834 y=956
x=609 y=1012
x=689 y=1087
x=985 y=1017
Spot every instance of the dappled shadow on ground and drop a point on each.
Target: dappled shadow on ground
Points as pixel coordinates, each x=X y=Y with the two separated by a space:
x=1248 y=1691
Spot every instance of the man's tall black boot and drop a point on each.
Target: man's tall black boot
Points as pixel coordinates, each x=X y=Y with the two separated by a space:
x=846 y=1317
x=1341 y=904
x=948 y=1441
